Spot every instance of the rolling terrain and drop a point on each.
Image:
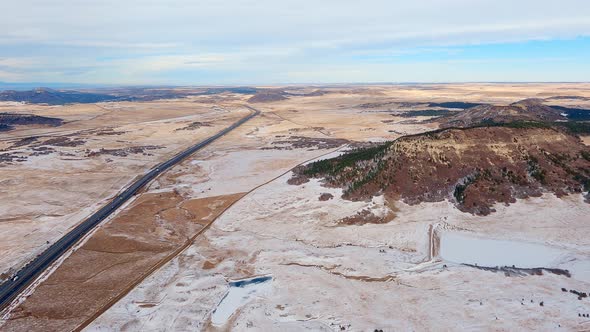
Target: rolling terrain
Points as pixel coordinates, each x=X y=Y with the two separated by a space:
x=474 y=167
x=482 y=156
x=372 y=197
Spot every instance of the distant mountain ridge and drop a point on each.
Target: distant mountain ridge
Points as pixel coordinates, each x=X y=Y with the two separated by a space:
x=524 y=110
x=50 y=96
x=54 y=97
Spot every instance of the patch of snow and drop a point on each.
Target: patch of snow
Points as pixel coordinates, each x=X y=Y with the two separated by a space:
x=466 y=249
x=240 y=293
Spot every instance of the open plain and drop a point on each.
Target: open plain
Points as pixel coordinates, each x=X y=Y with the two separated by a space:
x=231 y=239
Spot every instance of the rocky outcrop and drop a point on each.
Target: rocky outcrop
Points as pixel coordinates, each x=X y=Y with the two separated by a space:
x=474 y=168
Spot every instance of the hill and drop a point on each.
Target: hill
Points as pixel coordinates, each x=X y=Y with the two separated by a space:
x=265 y=96
x=9 y=120
x=524 y=110
x=473 y=167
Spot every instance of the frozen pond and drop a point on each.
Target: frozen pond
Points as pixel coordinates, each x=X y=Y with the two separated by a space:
x=468 y=249
x=240 y=293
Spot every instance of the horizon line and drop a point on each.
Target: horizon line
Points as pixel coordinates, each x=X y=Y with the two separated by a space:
x=69 y=85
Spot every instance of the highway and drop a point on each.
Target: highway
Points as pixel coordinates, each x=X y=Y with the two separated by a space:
x=10 y=289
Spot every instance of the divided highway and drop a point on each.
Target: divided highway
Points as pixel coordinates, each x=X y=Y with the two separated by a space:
x=10 y=289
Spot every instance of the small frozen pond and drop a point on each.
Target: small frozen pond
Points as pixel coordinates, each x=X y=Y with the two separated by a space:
x=468 y=249
x=240 y=293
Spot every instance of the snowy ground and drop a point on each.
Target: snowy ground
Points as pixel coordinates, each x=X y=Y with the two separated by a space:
x=327 y=276
x=46 y=195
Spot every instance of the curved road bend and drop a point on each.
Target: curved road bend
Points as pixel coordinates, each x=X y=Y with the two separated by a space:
x=10 y=289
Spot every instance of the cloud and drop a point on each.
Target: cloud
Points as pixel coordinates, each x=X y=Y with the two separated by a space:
x=127 y=40
x=18 y=63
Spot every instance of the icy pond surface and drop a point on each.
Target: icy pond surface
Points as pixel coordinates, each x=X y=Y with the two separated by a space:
x=468 y=249
x=240 y=293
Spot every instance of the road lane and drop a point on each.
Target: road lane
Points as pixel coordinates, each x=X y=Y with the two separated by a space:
x=10 y=289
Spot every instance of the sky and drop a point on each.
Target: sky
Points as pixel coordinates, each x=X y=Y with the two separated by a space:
x=206 y=42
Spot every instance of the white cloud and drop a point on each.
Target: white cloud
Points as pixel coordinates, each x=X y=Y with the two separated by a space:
x=18 y=62
x=136 y=38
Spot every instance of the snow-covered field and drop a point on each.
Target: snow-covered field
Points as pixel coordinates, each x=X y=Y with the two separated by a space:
x=48 y=194
x=328 y=276
x=239 y=294
x=406 y=274
x=465 y=249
